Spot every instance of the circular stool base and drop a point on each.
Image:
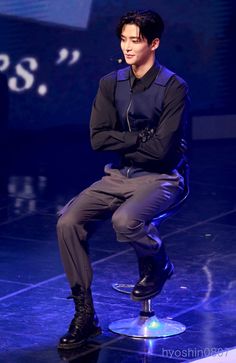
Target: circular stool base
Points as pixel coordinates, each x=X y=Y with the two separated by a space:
x=143 y=327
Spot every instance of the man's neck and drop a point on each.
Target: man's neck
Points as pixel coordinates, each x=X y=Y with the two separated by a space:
x=140 y=71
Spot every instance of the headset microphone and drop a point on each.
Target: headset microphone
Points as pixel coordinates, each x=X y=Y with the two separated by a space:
x=117 y=60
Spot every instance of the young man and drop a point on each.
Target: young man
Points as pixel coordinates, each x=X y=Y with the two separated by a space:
x=140 y=112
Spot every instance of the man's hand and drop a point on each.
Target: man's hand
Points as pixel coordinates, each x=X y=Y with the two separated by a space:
x=145 y=134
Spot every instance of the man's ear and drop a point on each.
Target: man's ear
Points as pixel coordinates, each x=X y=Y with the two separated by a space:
x=155 y=44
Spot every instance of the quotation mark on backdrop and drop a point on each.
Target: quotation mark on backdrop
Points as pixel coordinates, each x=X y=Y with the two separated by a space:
x=65 y=54
x=25 y=70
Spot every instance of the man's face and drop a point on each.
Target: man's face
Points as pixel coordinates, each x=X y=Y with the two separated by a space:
x=136 y=49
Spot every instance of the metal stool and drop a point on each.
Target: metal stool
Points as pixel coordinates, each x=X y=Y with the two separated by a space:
x=147 y=325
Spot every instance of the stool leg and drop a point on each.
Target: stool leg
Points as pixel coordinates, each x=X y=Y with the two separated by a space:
x=147 y=306
x=147 y=309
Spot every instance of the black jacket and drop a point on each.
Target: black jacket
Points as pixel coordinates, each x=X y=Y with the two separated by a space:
x=164 y=150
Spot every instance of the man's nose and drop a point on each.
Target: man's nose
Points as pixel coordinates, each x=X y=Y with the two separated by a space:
x=128 y=46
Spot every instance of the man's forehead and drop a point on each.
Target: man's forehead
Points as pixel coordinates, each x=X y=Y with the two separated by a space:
x=131 y=30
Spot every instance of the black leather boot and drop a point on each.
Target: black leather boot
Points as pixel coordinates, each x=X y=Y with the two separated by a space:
x=154 y=267
x=85 y=323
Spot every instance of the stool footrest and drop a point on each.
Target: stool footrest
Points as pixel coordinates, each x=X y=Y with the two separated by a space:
x=123 y=287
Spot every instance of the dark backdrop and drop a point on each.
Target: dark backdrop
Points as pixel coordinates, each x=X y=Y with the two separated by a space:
x=53 y=64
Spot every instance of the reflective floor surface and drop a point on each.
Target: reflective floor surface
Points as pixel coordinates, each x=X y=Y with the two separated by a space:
x=37 y=178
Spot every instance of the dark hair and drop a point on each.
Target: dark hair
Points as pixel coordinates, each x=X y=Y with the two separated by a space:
x=149 y=22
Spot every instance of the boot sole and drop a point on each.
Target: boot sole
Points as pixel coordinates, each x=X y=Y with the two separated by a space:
x=149 y=296
x=81 y=342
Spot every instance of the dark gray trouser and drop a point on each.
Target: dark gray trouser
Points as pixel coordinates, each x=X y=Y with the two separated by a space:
x=132 y=202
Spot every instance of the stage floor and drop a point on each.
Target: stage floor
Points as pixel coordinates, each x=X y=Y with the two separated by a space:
x=36 y=180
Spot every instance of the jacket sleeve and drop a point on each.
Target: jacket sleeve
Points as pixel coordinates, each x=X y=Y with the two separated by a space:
x=105 y=134
x=165 y=145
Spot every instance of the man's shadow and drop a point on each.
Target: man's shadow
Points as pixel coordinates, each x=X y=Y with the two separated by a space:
x=88 y=353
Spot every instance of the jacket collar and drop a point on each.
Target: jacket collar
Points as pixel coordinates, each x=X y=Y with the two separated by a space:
x=146 y=81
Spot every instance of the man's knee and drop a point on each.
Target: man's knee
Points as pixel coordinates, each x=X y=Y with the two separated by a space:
x=123 y=223
x=65 y=222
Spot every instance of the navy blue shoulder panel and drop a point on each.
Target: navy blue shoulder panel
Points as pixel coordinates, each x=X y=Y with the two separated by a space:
x=164 y=76
x=123 y=74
